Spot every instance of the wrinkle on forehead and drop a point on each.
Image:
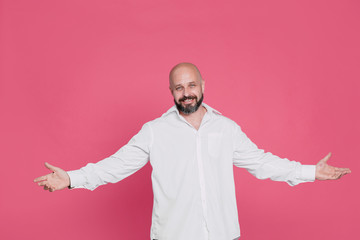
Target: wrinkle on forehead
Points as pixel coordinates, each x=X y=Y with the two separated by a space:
x=184 y=69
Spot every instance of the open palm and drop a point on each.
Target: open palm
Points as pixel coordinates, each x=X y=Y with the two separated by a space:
x=327 y=172
x=56 y=180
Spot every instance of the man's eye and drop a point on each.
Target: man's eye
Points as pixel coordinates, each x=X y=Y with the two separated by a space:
x=192 y=85
x=178 y=88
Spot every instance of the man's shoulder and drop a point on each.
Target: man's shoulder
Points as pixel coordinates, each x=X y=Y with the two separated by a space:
x=156 y=121
x=219 y=116
x=164 y=118
x=226 y=121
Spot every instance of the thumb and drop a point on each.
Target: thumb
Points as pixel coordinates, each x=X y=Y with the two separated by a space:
x=326 y=158
x=50 y=167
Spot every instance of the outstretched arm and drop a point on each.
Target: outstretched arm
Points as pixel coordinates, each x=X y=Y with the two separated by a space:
x=126 y=161
x=56 y=180
x=327 y=172
x=264 y=165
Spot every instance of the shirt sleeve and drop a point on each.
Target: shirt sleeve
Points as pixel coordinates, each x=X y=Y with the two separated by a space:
x=265 y=165
x=126 y=161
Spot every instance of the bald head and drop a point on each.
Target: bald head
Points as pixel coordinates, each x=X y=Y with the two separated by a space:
x=184 y=70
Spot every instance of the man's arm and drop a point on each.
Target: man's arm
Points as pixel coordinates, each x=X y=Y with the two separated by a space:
x=126 y=161
x=266 y=165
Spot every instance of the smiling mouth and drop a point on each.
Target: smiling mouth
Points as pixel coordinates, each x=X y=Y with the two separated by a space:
x=187 y=101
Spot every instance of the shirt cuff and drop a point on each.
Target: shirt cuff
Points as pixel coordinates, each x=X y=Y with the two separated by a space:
x=77 y=179
x=307 y=173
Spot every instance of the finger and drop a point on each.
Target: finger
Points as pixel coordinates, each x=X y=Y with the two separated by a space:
x=341 y=174
x=43 y=183
x=344 y=173
x=51 y=167
x=343 y=170
x=335 y=176
x=347 y=170
x=326 y=158
x=50 y=188
x=42 y=178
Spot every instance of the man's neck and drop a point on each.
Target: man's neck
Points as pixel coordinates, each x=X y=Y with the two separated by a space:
x=195 y=118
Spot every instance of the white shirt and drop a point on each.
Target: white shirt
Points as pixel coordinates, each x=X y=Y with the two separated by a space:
x=192 y=176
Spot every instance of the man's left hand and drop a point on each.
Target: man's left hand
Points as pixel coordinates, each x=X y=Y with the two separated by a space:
x=327 y=172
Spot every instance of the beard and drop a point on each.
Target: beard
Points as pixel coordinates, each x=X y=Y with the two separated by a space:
x=187 y=109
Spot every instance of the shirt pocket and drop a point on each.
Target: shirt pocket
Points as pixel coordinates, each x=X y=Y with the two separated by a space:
x=214 y=144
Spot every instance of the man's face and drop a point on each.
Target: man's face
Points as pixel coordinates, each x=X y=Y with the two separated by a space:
x=187 y=89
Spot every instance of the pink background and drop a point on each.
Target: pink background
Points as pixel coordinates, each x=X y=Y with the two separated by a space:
x=80 y=78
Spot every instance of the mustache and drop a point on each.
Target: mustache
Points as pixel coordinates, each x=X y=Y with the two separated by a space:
x=186 y=98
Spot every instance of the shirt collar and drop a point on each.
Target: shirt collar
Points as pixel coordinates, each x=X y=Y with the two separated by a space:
x=209 y=109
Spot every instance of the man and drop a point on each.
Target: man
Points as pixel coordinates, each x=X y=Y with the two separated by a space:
x=192 y=149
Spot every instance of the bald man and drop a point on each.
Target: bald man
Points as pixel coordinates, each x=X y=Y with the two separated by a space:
x=192 y=149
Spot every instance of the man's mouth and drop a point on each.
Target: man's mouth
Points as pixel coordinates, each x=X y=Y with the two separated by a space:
x=188 y=100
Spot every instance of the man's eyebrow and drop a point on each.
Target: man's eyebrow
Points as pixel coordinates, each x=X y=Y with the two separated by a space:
x=180 y=84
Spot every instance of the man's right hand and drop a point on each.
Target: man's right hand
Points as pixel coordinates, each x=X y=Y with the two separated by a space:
x=56 y=180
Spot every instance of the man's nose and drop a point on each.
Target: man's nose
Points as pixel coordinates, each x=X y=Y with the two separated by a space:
x=186 y=92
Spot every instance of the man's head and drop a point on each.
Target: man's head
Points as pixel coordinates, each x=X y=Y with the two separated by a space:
x=187 y=87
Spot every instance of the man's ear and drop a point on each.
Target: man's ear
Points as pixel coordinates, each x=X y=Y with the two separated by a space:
x=203 y=85
x=171 y=91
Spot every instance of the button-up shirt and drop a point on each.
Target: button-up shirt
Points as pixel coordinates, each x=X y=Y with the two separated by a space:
x=192 y=173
